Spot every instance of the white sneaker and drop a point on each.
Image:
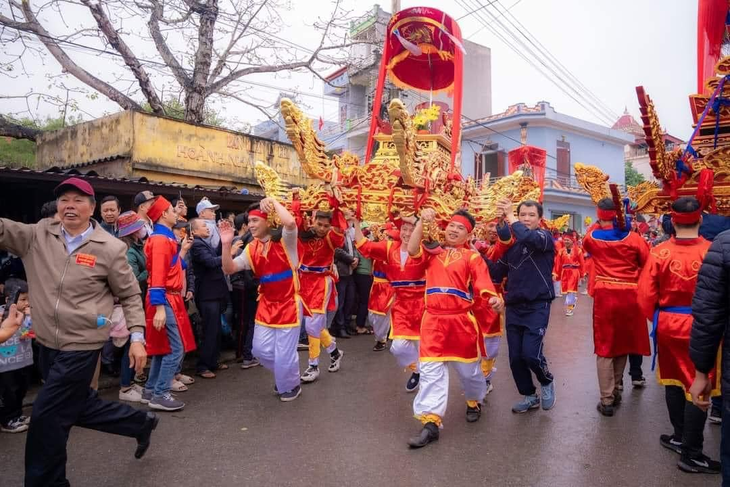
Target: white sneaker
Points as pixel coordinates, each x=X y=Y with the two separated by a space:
x=133 y=394
x=335 y=364
x=311 y=374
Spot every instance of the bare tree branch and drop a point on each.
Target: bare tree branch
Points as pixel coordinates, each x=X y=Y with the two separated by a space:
x=167 y=56
x=129 y=58
x=8 y=128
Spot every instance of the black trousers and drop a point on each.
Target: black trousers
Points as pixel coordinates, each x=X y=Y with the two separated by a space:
x=210 y=347
x=244 y=309
x=66 y=400
x=635 y=362
x=363 y=283
x=526 y=325
x=687 y=419
x=13 y=387
x=345 y=299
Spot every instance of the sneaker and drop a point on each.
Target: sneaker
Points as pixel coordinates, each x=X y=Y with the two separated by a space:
x=527 y=403
x=146 y=396
x=569 y=312
x=14 y=426
x=311 y=374
x=473 y=414
x=671 y=443
x=166 y=402
x=302 y=347
x=638 y=383
x=620 y=385
x=715 y=416
x=413 y=381
x=701 y=464
x=490 y=387
x=133 y=394
x=335 y=363
x=605 y=409
x=291 y=395
x=379 y=346
x=247 y=364
x=547 y=396
x=24 y=419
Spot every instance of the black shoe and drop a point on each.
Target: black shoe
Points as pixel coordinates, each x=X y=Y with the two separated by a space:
x=143 y=438
x=473 y=414
x=715 y=416
x=339 y=334
x=429 y=433
x=413 y=381
x=605 y=409
x=700 y=464
x=379 y=346
x=616 y=398
x=671 y=443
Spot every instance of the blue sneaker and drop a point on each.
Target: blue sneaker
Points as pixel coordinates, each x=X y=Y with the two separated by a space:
x=527 y=403
x=548 y=396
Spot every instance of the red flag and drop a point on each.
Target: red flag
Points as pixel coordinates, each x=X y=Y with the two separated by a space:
x=321 y=123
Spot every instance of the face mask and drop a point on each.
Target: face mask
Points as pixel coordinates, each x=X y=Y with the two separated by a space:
x=141 y=233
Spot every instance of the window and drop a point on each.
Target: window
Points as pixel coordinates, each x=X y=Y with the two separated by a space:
x=563 y=162
x=489 y=163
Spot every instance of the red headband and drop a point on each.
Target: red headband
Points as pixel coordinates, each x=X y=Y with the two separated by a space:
x=606 y=215
x=158 y=208
x=464 y=221
x=687 y=218
x=258 y=213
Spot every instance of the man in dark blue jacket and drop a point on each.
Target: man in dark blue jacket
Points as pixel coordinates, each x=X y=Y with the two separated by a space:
x=211 y=297
x=528 y=266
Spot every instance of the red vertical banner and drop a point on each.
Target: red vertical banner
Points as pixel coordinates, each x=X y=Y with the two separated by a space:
x=711 y=19
x=530 y=159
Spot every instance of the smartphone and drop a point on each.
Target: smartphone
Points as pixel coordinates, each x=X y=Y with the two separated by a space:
x=12 y=299
x=188 y=231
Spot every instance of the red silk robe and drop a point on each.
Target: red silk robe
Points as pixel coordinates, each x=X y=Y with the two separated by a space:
x=316 y=270
x=449 y=331
x=666 y=287
x=381 y=292
x=166 y=275
x=619 y=328
x=590 y=272
x=407 y=282
x=279 y=298
x=568 y=269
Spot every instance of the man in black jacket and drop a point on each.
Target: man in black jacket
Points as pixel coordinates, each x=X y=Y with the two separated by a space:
x=528 y=266
x=245 y=297
x=711 y=313
x=211 y=297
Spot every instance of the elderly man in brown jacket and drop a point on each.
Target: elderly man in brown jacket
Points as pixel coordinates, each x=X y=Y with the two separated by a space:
x=75 y=269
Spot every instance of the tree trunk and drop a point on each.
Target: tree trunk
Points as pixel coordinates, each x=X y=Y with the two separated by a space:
x=195 y=96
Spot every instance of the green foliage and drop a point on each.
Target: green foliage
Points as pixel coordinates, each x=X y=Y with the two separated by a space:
x=18 y=152
x=174 y=108
x=633 y=177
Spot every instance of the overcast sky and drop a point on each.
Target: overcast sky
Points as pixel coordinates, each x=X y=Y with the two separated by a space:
x=611 y=47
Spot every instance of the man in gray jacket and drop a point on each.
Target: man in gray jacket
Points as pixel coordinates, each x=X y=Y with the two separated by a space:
x=74 y=270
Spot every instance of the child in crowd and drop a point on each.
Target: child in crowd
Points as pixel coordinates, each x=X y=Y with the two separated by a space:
x=16 y=359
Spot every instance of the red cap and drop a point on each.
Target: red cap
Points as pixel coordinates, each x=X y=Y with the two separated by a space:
x=158 y=208
x=75 y=183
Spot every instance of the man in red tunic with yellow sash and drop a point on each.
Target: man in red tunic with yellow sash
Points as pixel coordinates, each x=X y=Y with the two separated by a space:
x=273 y=257
x=406 y=275
x=169 y=334
x=569 y=269
x=666 y=287
x=449 y=332
x=318 y=289
x=619 y=328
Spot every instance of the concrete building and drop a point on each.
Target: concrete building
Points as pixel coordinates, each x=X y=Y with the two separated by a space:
x=567 y=140
x=637 y=152
x=354 y=85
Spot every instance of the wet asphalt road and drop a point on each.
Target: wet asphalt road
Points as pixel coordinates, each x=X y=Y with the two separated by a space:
x=350 y=429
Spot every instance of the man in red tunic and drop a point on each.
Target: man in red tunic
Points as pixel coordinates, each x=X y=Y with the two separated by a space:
x=406 y=275
x=449 y=332
x=169 y=334
x=381 y=292
x=619 y=328
x=569 y=269
x=318 y=289
x=666 y=287
x=273 y=257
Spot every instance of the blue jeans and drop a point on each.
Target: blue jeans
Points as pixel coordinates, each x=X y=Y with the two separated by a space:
x=164 y=367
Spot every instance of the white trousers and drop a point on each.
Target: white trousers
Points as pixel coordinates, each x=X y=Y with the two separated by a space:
x=433 y=388
x=491 y=346
x=405 y=352
x=381 y=325
x=276 y=348
x=571 y=299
